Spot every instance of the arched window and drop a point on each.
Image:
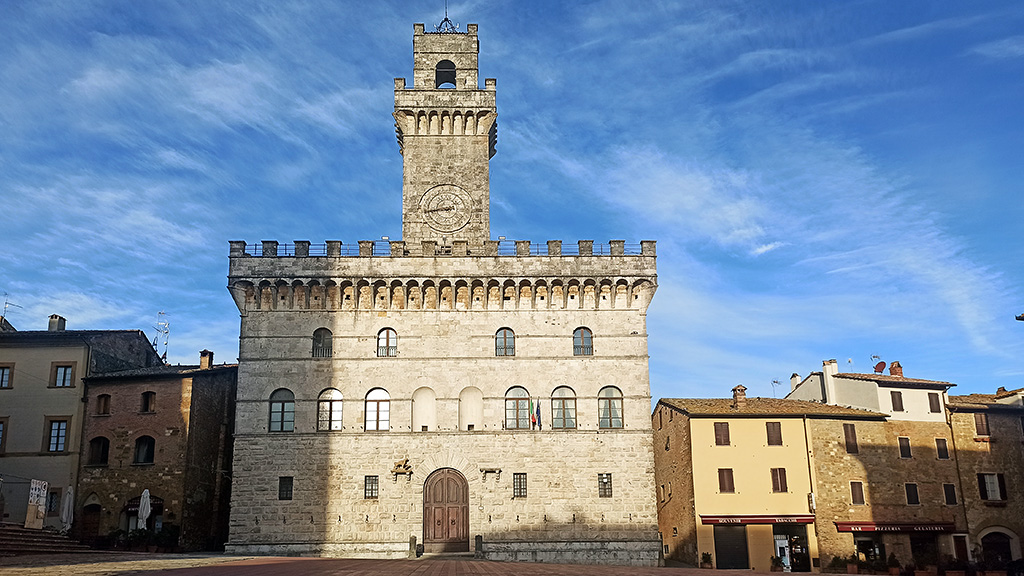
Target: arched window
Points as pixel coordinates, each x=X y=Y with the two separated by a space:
x=322 y=343
x=444 y=74
x=505 y=342
x=103 y=404
x=609 y=407
x=424 y=410
x=471 y=408
x=282 y=410
x=378 y=410
x=563 y=408
x=517 y=409
x=387 y=343
x=328 y=409
x=148 y=402
x=145 y=447
x=99 y=450
x=582 y=342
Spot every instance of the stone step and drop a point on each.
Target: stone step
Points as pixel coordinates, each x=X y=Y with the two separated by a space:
x=15 y=539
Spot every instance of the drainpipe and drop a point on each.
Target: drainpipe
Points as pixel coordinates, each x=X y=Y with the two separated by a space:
x=959 y=477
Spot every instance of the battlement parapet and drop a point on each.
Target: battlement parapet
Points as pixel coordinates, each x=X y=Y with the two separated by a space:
x=400 y=249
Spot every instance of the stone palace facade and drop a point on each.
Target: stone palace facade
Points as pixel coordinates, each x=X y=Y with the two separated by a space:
x=444 y=390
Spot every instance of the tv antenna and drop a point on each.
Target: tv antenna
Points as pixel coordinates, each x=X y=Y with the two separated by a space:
x=8 y=304
x=163 y=328
x=775 y=383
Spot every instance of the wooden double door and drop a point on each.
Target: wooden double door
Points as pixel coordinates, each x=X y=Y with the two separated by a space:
x=446 y=512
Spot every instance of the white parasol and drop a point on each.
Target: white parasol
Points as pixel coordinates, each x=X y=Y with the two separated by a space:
x=67 y=509
x=144 y=508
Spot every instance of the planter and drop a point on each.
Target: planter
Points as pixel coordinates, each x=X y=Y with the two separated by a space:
x=851 y=568
x=894 y=571
x=706 y=565
x=922 y=573
x=956 y=572
x=776 y=569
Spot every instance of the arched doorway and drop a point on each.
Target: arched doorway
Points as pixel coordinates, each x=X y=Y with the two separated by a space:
x=446 y=512
x=995 y=548
x=90 y=524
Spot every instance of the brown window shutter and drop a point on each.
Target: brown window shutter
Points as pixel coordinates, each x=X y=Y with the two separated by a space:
x=725 y=481
x=850 y=432
x=857 y=492
x=981 y=423
x=897 y=400
x=721 y=433
x=774 y=433
x=982 y=490
x=1002 y=486
x=933 y=402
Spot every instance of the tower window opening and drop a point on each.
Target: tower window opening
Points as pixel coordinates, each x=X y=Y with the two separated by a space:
x=444 y=74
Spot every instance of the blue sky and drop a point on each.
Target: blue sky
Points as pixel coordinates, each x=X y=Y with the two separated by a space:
x=824 y=179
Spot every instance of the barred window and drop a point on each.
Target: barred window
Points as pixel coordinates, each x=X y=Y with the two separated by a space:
x=519 y=485
x=371 y=487
x=387 y=343
x=505 y=342
x=604 y=485
x=284 y=487
x=323 y=346
x=582 y=342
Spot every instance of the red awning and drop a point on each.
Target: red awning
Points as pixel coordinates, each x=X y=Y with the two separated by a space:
x=758 y=519
x=156 y=504
x=887 y=527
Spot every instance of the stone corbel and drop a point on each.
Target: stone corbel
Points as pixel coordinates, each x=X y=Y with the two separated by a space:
x=485 y=471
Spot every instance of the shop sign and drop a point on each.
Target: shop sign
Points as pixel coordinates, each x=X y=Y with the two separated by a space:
x=877 y=527
x=758 y=519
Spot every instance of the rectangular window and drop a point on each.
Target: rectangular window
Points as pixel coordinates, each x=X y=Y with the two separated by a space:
x=721 y=433
x=6 y=372
x=774 y=430
x=371 y=487
x=949 y=492
x=992 y=487
x=904 y=447
x=779 y=480
x=284 y=487
x=913 y=499
x=850 y=432
x=941 y=449
x=604 y=485
x=519 y=485
x=725 y=483
x=857 y=493
x=57 y=435
x=897 y=400
x=981 y=424
x=62 y=375
x=934 y=405
x=3 y=434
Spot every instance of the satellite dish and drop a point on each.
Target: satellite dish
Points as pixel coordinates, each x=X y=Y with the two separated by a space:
x=879 y=367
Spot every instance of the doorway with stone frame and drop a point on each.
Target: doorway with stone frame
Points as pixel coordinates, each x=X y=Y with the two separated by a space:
x=446 y=512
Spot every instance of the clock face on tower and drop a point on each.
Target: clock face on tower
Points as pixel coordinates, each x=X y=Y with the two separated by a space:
x=446 y=207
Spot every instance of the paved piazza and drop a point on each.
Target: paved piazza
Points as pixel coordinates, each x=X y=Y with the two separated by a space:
x=97 y=564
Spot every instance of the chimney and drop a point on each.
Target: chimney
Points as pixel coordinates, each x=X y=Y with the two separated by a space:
x=205 y=360
x=830 y=367
x=739 y=396
x=794 y=381
x=895 y=369
x=57 y=323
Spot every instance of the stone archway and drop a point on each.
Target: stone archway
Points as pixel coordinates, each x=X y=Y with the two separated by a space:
x=446 y=512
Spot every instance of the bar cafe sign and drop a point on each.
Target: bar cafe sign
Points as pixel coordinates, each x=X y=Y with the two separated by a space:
x=876 y=527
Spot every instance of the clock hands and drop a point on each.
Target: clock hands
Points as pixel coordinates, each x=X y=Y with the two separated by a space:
x=445 y=209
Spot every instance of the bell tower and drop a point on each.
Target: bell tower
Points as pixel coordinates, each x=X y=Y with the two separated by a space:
x=447 y=131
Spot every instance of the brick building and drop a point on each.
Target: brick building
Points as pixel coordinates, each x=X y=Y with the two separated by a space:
x=988 y=434
x=41 y=392
x=444 y=388
x=166 y=429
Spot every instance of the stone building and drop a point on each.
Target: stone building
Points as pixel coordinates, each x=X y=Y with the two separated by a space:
x=887 y=487
x=738 y=478
x=988 y=435
x=445 y=389
x=166 y=429
x=41 y=394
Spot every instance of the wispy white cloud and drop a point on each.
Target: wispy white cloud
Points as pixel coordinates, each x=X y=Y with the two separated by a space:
x=1012 y=47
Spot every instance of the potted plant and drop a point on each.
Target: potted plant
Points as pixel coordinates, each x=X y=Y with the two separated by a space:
x=776 y=564
x=138 y=539
x=853 y=564
x=893 y=564
x=705 y=560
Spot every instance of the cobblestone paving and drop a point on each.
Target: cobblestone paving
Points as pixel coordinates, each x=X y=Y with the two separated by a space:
x=121 y=564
